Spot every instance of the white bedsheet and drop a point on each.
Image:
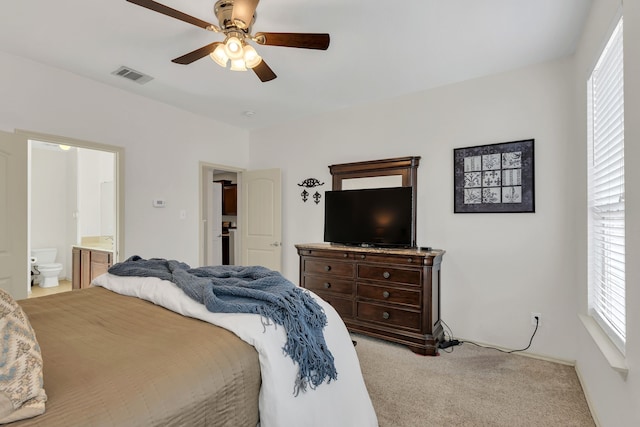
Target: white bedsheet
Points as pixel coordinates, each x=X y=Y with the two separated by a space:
x=344 y=402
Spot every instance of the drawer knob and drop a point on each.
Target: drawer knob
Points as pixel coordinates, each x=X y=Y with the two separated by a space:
x=345 y=255
x=363 y=256
x=410 y=260
x=386 y=274
x=327 y=285
x=327 y=268
x=385 y=315
x=386 y=294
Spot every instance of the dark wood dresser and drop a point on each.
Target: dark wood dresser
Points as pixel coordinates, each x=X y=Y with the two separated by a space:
x=392 y=294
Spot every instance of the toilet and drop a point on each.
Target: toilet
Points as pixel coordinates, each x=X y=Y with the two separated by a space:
x=47 y=267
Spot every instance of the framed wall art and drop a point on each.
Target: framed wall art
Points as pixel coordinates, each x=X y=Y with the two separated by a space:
x=494 y=178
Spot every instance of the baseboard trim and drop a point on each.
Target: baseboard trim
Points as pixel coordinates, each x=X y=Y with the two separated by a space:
x=568 y=362
x=587 y=397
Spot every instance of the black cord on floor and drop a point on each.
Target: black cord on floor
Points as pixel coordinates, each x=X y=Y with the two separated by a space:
x=441 y=347
x=486 y=346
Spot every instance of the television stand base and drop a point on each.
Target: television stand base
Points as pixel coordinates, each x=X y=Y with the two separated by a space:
x=392 y=294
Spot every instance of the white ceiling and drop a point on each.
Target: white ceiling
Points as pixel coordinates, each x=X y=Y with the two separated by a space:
x=378 y=49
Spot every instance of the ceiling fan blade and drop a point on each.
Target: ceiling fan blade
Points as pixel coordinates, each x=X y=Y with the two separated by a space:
x=196 y=54
x=301 y=40
x=243 y=10
x=166 y=10
x=264 y=72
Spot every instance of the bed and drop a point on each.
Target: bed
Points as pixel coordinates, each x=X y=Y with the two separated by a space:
x=112 y=360
x=136 y=351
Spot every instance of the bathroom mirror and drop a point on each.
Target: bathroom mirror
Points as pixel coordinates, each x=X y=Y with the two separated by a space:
x=107 y=208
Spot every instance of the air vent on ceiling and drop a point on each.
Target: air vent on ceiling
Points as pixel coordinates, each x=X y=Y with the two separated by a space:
x=133 y=75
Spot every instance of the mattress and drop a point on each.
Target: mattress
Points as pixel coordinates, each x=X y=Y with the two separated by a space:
x=114 y=360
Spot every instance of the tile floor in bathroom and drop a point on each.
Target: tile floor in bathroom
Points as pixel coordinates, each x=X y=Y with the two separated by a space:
x=37 y=291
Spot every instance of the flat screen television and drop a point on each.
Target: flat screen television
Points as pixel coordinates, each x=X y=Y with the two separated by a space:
x=369 y=217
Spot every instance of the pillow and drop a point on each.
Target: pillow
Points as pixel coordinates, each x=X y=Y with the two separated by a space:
x=21 y=384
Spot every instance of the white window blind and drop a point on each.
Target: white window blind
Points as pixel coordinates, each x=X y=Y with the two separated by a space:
x=606 y=190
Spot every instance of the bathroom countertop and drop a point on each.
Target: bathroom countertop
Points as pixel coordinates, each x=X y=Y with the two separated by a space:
x=94 y=248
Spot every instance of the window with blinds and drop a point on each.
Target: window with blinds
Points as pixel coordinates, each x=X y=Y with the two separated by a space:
x=606 y=190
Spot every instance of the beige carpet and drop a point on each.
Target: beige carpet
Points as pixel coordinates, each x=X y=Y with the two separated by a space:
x=471 y=386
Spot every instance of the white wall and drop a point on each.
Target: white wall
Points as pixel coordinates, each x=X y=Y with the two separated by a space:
x=94 y=167
x=163 y=146
x=49 y=201
x=613 y=397
x=498 y=267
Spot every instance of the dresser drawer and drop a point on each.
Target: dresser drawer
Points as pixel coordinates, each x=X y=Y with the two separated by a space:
x=328 y=284
x=389 y=294
x=387 y=315
x=388 y=259
x=388 y=274
x=328 y=267
x=101 y=257
x=326 y=254
x=343 y=306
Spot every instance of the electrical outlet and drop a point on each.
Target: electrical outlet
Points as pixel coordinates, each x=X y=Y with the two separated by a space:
x=533 y=319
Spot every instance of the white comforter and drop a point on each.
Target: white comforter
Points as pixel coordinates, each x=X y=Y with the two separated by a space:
x=344 y=402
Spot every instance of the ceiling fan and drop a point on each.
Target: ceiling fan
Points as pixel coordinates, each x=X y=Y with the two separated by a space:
x=236 y=18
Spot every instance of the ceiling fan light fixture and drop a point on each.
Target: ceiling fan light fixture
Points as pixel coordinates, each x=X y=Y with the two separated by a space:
x=235 y=18
x=233 y=48
x=238 y=65
x=219 y=56
x=251 y=57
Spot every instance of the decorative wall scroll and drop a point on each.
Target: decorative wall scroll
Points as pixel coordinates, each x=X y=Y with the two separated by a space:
x=310 y=183
x=494 y=178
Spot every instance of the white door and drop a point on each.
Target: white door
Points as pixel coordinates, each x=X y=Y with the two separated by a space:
x=261 y=217
x=14 y=259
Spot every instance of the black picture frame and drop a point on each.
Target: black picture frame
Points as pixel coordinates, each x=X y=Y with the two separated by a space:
x=494 y=178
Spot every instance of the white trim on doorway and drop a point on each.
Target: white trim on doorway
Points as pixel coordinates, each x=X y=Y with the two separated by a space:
x=204 y=169
x=118 y=173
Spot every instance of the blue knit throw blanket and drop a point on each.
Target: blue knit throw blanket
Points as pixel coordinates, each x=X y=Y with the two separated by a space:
x=258 y=290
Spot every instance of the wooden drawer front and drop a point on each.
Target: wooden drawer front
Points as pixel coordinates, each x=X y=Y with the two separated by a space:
x=328 y=267
x=389 y=294
x=388 y=315
x=387 y=259
x=328 y=284
x=101 y=257
x=98 y=268
x=397 y=275
x=343 y=306
x=326 y=254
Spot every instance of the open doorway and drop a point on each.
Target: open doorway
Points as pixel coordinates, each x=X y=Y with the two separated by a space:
x=220 y=241
x=255 y=232
x=74 y=190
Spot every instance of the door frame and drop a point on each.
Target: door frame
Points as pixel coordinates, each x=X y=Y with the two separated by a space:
x=118 y=173
x=203 y=169
x=14 y=255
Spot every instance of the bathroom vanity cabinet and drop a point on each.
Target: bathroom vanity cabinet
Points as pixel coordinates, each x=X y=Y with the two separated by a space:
x=87 y=264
